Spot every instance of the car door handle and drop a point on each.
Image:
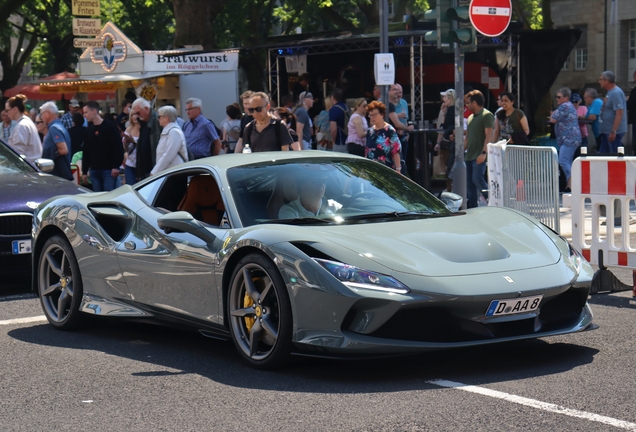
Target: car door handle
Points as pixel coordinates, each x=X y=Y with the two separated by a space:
x=130 y=245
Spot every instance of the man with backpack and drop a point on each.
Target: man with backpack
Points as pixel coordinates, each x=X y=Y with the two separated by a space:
x=339 y=116
x=202 y=138
x=265 y=132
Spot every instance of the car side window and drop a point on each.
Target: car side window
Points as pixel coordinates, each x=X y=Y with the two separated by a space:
x=204 y=201
x=194 y=191
x=149 y=191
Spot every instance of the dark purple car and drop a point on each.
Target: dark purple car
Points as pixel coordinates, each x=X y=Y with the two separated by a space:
x=23 y=187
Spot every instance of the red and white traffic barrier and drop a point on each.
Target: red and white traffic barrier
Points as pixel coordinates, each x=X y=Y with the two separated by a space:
x=603 y=181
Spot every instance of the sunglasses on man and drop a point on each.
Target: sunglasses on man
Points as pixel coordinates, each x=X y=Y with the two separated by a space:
x=257 y=109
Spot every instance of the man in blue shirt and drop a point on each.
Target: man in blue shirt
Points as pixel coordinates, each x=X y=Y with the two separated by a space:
x=594 y=106
x=57 y=143
x=401 y=108
x=337 y=121
x=200 y=133
x=613 y=115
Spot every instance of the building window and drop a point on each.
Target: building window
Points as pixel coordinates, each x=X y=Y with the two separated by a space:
x=580 y=59
x=566 y=65
x=391 y=10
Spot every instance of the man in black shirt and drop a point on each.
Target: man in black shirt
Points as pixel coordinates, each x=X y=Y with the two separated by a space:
x=103 y=150
x=265 y=133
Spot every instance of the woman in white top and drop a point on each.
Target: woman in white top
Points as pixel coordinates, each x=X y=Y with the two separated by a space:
x=129 y=139
x=24 y=137
x=357 y=128
x=171 y=149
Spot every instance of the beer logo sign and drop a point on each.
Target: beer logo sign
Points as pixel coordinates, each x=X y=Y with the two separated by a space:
x=109 y=53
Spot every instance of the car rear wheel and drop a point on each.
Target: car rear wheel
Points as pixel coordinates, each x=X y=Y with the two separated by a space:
x=260 y=315
x=60 y=284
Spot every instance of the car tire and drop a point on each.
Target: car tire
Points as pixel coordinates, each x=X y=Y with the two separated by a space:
x=60 y=284
x=259 y=313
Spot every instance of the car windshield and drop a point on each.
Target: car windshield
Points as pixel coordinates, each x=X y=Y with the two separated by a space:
x=314 y=191
x=10 y=162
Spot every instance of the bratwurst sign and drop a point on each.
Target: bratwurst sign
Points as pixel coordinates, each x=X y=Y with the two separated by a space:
x=175 y=61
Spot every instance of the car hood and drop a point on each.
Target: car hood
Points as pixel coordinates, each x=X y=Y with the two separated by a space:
x=480 y=241
x=22 y=192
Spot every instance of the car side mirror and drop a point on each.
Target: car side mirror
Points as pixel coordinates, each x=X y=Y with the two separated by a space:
x=45 y=165
x=452 y=201
x=181 y=221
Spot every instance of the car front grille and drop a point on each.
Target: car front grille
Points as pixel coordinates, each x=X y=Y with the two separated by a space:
x=424 y=325
x=433 y=324
x=15 y=224
x=563 y=308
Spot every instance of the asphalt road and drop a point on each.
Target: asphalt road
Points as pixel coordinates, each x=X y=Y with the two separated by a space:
x=125 y=376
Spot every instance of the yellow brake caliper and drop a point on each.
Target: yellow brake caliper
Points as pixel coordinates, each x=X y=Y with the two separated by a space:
x=248 y=302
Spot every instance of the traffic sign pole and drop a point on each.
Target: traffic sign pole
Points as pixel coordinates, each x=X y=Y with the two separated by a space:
x=459 y=168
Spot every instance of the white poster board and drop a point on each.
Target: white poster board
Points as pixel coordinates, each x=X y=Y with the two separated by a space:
x=495 y=173
x=384 y=69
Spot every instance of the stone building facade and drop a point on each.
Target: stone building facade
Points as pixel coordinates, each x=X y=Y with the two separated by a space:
x=605 y=43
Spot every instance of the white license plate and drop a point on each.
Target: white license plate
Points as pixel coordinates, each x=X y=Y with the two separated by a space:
x=513 y=306
x=21 y=247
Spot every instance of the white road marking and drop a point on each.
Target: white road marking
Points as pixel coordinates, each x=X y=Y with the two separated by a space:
x=558 y=409
x=23 y=320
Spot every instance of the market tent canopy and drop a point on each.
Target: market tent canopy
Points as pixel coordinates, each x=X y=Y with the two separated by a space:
x=32 y=91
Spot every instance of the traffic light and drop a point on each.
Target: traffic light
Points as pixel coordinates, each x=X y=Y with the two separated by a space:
x=441 y=35
x=449 y=18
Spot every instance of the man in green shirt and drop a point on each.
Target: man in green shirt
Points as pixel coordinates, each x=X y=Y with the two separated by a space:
x=480 y=124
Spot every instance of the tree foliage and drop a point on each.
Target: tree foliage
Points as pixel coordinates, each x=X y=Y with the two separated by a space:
x=134 y=17
x=16 y=45
x=44 y=26
x=49 y=24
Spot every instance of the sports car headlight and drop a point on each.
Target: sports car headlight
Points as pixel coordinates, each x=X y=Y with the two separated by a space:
x=575 y=257
x=355 y=277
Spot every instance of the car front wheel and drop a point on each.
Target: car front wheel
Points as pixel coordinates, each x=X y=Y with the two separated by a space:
x=260 y=313
x=60 y=284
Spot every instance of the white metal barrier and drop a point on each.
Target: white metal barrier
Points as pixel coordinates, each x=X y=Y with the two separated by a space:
x=606 y=185
x=525 y=178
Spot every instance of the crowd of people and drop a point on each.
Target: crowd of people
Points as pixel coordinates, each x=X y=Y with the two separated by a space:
x=140 y=141
x=607 y=117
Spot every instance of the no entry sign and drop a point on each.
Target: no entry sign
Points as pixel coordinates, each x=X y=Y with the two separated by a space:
x=490 y=17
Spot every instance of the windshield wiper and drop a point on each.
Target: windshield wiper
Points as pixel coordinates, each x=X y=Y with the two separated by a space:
x=392 y=214
x=299 y=221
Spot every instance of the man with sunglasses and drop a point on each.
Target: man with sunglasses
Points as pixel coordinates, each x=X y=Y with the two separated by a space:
x=200 y=133
x=265 y=132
